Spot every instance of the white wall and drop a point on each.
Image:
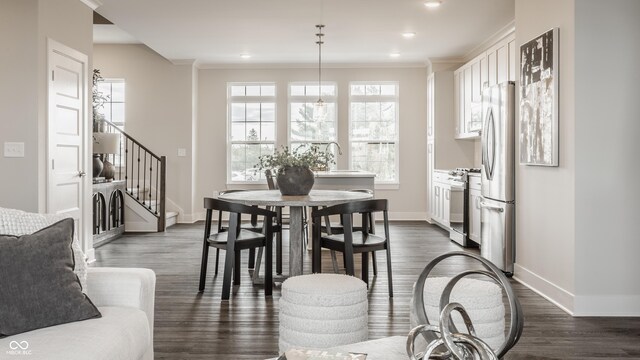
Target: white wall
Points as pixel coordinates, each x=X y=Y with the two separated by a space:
x=607 y=149
x=407 y=202
x=545 y=196
x=159 y=111
x=25 y=26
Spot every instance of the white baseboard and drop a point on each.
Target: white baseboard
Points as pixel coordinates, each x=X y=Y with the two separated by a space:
x=545 y=288
x=608 y=305
x=90 y=255
x=191 y=218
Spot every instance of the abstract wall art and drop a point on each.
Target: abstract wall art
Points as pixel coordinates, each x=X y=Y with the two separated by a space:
x=539 y=100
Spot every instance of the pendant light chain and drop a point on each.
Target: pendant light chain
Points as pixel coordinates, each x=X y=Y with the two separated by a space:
x=319 y=42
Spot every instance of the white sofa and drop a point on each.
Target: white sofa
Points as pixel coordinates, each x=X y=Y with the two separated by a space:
x=125 y=297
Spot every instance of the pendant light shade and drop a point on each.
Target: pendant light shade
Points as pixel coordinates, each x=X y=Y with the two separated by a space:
x=319 y=107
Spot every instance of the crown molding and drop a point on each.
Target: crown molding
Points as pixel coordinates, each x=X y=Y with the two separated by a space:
x=93 y=4
x=208 y=66
x=183 y=61
x=506 y=30
x=447 y=60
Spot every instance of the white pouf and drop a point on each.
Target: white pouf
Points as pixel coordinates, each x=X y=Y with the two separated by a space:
x=323 y=310
x=481 y=299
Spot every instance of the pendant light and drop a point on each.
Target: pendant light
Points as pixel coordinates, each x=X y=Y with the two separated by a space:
x=319 y=108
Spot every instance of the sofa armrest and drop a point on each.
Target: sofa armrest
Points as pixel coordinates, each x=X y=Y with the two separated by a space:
x=128 y=287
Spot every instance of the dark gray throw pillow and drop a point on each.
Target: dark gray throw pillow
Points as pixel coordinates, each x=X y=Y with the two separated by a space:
x=38 y=287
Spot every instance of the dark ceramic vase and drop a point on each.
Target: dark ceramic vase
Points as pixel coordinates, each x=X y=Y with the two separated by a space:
x=97 y=165
x=295 y=180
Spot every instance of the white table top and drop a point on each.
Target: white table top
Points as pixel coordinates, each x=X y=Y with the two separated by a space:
x=275 y=198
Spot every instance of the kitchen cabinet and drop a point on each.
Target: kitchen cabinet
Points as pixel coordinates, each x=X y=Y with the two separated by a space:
x=443 y=150
x=441 y=198
x=474 y=208
x=495 y=65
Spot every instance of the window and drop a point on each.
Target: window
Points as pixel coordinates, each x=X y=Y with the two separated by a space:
x=113 y=108
x=252 y=128
x=373 y=129
x=303 y=129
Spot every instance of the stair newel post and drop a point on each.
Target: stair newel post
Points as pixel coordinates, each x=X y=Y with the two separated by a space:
x=163 y=178
x=157 y=172
x=126 y=163
x=138 y=174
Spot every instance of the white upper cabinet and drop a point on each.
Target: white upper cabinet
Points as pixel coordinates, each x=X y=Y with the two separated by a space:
x=494 y=66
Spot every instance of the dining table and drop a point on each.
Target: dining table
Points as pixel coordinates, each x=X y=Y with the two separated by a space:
x=296 y=204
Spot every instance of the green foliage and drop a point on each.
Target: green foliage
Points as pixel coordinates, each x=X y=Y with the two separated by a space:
x=281 y=159
x=98 y=98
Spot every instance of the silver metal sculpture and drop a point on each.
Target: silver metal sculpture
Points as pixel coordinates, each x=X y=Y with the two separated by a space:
x=459 y=345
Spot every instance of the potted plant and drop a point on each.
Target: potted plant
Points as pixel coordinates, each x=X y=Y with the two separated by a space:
x=293 y=169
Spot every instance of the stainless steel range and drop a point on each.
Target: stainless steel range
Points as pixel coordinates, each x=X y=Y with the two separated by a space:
x=459 y=205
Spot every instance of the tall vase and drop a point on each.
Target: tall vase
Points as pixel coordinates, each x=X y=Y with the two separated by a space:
x=296 y=180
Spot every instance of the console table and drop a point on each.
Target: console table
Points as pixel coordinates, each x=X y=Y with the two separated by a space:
x=108 y=211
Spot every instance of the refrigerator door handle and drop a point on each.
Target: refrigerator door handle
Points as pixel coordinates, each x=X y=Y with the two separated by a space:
x=489 y=207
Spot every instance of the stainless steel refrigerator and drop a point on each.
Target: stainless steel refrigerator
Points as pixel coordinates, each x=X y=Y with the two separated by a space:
x=498 y=176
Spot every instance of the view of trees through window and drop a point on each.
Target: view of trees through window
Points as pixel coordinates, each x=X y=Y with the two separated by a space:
x=373 y=129
x=304 y=130
x=252 y=128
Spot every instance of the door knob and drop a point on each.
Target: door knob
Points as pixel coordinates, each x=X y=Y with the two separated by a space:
x=82 y=173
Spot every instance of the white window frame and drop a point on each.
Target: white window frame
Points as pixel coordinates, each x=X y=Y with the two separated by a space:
x=395 y=184
x=110 y=102
x=333 y=99
x=249 y=99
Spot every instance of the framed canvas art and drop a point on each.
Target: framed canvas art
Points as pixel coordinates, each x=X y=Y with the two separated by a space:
x=539 y=100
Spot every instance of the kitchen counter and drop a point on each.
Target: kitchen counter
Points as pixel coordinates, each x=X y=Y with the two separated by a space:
x=442 y=171
x=343 y=180
x=343 y=174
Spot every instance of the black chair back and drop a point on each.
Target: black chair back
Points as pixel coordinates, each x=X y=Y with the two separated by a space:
x=363 y=206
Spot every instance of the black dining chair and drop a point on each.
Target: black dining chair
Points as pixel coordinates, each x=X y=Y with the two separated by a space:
x=338 y=228
x=352 y=242
x=234 y=240
x=254 y=225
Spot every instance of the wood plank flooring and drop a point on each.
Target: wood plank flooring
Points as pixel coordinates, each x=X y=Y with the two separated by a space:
x=189 y=325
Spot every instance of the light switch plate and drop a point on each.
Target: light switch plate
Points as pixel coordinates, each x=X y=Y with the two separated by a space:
x=14 y=149
x=182 y=152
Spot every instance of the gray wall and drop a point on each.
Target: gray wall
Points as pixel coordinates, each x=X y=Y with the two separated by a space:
x=576 y=240
x=607 y=163
x=25 y=26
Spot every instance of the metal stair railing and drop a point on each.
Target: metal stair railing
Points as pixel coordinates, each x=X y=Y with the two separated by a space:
x=140 y=164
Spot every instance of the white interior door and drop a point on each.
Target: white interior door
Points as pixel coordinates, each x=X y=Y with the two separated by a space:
x=67 y=183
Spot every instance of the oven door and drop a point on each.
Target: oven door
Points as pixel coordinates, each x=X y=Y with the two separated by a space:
x=457 y=211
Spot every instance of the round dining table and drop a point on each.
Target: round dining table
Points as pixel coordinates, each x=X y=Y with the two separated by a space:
x=296 y=205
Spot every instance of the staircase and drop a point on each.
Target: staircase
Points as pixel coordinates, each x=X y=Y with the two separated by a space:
x=145 y=180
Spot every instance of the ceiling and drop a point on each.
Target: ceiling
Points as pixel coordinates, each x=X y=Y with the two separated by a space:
x=217 y=32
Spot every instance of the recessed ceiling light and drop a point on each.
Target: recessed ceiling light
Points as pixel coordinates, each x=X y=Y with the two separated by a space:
x=408 y=35
x=245 y=56
x=394 y=54
x=432 y=4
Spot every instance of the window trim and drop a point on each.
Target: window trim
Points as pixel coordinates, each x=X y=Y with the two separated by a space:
x=246 y=100
x=383 y=185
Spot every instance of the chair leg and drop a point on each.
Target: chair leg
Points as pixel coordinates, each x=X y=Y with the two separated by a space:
x=252 y=258
x=256 y=270
x=279 y=252
x=375 y=263
x=268 y=269
x=349 y=264
x=203 y=266
x=236 y=268
x=389 y=270
x=334 y=261
x=365 y=268
x=217 y=258
x=228 y=270
x=316 y=254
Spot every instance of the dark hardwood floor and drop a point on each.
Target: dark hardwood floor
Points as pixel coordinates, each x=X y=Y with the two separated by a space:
x=189 y=325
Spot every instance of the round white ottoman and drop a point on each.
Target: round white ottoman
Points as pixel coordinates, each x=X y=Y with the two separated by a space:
x=482 y=300
x=322 y=310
